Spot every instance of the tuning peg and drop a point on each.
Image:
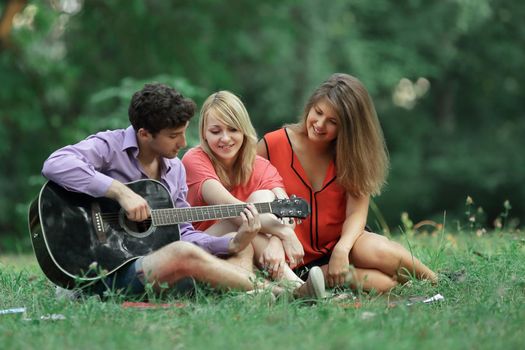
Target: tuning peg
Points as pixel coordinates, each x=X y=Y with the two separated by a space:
x=290 y=221
x=299 y=221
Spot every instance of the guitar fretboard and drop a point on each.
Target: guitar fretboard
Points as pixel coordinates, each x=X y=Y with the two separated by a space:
x=172 y=216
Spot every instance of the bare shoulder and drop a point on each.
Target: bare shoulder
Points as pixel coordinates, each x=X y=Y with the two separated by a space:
x=262 y=148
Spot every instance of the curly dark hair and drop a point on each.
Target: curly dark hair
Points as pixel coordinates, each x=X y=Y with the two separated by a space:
x=159 y=106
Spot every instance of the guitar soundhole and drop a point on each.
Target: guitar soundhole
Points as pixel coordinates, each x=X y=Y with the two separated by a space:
x=133 y=228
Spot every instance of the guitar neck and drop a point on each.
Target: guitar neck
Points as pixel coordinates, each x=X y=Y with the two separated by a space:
x=172 y=216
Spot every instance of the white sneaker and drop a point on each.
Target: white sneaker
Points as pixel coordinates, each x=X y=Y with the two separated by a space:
x=314 y=286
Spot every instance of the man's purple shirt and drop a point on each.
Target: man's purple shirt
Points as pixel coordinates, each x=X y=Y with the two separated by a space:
x=91 y=165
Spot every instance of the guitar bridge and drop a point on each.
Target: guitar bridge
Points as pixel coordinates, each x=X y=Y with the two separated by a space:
x=98 y=224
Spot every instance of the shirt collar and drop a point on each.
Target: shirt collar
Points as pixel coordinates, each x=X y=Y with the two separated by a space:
x=130 y=143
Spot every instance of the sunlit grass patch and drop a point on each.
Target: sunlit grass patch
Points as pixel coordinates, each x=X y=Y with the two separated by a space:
x=482 y=280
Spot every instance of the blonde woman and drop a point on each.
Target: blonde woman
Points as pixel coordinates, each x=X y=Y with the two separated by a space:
x=224 y=169
x=336 y=158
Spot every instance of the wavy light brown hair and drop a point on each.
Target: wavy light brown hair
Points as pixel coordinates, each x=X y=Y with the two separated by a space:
x=361 y=156
x=229 y=109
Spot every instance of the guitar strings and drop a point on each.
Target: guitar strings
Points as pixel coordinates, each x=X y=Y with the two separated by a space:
x=114 y=217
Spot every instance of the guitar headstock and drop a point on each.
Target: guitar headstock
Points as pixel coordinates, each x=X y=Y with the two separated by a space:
x=293 y=207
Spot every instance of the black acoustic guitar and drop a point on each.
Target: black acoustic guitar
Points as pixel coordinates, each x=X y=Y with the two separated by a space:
x=78 y=238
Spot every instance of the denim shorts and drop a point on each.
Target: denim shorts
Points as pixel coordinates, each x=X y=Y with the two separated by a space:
x=129 y=280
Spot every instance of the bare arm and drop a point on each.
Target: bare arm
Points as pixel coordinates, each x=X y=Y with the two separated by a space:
x=249 y=228
x=136 y=207
x=356 y=214
x=213 y=192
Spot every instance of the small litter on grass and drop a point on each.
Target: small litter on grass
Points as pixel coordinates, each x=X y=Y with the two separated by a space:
x=417 y=300
x=145 y=306
x=437 y=297
x=48 y=317
x=366 y=315
x=15 y=310
x=52 y=317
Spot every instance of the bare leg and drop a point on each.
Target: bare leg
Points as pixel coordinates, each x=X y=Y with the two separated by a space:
x=372 y=251
x=181 y=259
x=368 y=279
x=261 y=240
x=259 y=244
x=243 y=259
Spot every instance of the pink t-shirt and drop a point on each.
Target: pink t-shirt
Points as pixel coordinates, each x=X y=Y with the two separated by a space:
x=199 y=168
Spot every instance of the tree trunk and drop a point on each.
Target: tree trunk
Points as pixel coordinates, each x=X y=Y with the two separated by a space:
x=6 y=22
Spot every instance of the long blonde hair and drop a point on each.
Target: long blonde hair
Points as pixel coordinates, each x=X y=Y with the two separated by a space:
x=229 y=109
x=361 y=156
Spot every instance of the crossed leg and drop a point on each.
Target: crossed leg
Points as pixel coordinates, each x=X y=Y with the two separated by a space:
x=178 y=260
x=367 y=279
x=381 y=264
x=259 y=243
x=261 y=240
x=373 y=251
x=182 y=259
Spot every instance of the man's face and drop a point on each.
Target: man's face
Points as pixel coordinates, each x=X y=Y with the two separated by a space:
x=168 y=142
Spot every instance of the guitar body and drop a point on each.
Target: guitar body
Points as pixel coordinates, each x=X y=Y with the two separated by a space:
x=76 y=236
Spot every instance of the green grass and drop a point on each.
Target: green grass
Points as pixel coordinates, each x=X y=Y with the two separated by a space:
x=484 y=309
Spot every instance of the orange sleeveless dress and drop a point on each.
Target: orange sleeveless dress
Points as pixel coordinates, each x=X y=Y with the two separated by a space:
x=320 y=231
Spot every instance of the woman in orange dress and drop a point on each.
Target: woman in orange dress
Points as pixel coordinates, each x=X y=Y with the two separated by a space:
x=336 y=158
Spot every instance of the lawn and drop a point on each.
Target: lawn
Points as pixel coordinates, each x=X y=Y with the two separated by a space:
x=483 y=308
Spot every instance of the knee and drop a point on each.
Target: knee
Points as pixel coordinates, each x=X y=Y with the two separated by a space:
x=386 y=251
x=184 y=255
x=380 y=252
x=261 y=196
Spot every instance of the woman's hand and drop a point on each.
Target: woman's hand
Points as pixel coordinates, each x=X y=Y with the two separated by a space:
x=272 y=258
x=338 y=268
x=251 y=224
x=292 y=247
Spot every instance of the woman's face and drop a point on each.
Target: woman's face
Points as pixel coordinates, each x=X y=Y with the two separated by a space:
x=322 y=123
x=223 y=140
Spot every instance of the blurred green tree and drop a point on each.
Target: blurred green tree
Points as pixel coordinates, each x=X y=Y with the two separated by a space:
x=445 y=77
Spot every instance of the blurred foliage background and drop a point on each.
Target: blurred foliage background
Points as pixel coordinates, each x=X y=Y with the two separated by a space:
x=446 y=76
